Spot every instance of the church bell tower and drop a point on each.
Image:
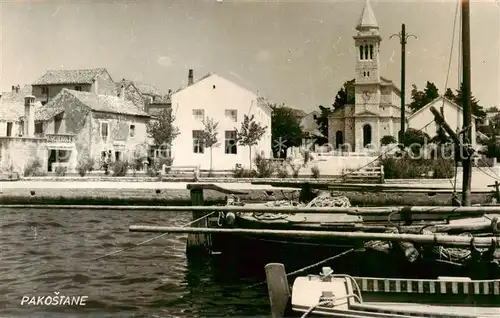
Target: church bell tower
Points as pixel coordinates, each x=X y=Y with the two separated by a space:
x=367 y=43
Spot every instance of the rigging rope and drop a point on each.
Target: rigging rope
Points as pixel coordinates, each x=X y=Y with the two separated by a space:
x=151 y=239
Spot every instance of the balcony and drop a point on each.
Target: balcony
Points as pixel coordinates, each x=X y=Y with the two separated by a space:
x=60 y=138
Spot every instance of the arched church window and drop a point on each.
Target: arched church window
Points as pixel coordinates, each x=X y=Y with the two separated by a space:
x=360 y=52
x=368 y=74
x=339 y=139
x=366 y=52
x=367 y=135
x=364 y=74
x=371 y=52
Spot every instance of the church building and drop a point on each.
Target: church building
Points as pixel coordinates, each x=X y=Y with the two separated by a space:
x=376 y=109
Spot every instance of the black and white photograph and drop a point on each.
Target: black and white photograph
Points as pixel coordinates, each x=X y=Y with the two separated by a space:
x=250 y=158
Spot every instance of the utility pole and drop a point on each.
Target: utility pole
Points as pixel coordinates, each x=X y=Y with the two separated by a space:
x=466 y=103
x=403 y=37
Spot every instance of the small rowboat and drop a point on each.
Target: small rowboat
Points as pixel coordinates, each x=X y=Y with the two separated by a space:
x=338 y=295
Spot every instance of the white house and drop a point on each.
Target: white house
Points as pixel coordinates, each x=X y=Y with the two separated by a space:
x=452 y=113
x=226 y=103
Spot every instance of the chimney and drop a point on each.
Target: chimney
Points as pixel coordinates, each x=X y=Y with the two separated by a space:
x=13 y=88
x=29 y=116
x=18 y=88
x=122 y=92
x=190 y=77
x=95 y=86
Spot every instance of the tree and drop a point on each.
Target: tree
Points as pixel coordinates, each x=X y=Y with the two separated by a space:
x=285 y=129
x=477 y=110
x=250 y=134
x=209 y=135
x=345 y=96
x=421 y=98
x=162 y=129
x=322 y=119
x=387 y=140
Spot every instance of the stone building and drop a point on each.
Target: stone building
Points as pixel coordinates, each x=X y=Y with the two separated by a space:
x=376 y=109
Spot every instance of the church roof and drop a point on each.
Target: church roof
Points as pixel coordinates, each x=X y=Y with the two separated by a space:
x=367 y=19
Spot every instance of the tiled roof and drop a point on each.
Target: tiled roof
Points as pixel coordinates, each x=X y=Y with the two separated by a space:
x=11 y=111
x=107 y=104
x=69 y=76
x=17 y=97
x=159 y=97
x=298 y=113
x=46 y=113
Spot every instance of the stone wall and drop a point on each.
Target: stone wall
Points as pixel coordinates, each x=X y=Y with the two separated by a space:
x=17 y=152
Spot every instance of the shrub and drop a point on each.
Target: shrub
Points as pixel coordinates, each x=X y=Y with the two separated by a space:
x=167 y=161
x=61 y=171
x=296 y=170
x=405 y=167
x=265 y=168
x=244 y=173
x=138 y=163
x=282 y=172
x=315 y=172
x=387 y=140
x=85 y=165
x=33 y=168
x=120 y=168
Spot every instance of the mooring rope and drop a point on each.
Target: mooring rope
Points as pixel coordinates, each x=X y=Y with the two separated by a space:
x=151 y=239
x=308 y=267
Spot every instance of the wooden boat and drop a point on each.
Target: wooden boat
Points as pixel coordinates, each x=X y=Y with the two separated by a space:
x=338 y=295
x=368 y=257
x=389 y=194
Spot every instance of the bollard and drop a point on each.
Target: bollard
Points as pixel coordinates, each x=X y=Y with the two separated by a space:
x=197 y=243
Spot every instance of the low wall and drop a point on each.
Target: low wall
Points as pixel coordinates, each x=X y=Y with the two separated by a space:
x=127 y=196
x=17 y=152
x=144 y=196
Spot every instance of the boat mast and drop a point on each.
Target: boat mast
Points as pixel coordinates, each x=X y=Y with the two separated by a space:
x=466 y=103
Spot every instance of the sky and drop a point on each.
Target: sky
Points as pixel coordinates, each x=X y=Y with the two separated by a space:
x=293 y=52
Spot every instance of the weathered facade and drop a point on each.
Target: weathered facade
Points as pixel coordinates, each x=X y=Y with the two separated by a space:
x=376 y=110
x=146 y=97
x=226 y=103
x=102 y=126
x=50 y=84
x=80 y=125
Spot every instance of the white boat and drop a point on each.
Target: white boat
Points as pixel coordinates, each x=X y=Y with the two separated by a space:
x=337 y=295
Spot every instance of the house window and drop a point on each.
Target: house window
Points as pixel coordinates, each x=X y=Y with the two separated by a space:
x=78 y=88
x=232 y=114
x=118 y=156
x=199 y=114
x=38 y=128
x=132 y=131
x=9 y=129
x=230 y=142
x=198 y=144
x=45 y=90
x=104 y=131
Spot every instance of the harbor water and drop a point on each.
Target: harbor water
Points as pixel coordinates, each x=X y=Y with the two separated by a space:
x=54 y=253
